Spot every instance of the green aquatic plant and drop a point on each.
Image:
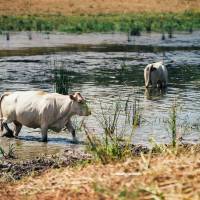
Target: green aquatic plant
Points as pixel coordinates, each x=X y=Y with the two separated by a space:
x=61 y=79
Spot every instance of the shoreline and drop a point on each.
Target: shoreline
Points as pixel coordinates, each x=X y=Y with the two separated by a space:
x=135 y=177
x=20 y=45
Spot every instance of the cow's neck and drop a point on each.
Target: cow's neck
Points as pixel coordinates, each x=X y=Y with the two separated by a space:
x=67 y=112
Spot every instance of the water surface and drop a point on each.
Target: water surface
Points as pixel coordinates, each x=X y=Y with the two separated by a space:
x=105 y=70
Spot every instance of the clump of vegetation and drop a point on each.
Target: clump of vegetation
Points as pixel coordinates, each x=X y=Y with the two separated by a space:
x=148 y=25
x=114 y=144
x=10 y=153
x=62 y=81
x=136 y=29
x=169 y=27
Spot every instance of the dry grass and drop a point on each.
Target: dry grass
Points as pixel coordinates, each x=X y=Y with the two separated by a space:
x=68 y=7
x=164 y=176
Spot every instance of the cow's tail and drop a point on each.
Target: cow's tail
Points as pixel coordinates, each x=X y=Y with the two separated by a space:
x=1 y=114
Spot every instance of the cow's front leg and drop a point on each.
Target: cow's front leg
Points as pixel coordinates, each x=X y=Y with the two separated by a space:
x=71 y=129
x=44 y=130
x=9 y=132
x=17 y=128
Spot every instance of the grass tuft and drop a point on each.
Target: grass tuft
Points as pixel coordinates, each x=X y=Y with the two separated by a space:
x=115 y=143
x=9 y=154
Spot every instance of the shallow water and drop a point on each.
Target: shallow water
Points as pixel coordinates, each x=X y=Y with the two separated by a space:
x=97 y=72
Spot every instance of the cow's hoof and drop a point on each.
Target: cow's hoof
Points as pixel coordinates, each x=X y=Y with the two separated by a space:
x=8 y=134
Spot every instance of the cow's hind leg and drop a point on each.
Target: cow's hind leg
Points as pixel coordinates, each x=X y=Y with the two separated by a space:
x=17 y=128
x=9 y=132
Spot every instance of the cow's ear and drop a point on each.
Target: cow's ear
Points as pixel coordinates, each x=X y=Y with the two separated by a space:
x=72 y=97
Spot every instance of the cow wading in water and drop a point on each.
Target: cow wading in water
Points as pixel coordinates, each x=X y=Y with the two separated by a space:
x=38 y=109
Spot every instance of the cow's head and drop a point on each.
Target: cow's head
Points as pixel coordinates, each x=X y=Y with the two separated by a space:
x=80 y=106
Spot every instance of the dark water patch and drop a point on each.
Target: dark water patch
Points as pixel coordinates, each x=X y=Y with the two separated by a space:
x=94 y=48
x=21 y=60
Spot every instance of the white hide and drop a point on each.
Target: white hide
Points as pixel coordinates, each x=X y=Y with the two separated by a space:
x=38 y=109
x=156 y=75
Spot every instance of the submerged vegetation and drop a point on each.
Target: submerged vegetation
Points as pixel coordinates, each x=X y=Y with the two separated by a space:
x=133 y=23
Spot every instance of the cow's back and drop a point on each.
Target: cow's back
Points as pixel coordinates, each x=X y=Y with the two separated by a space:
x=26 y=107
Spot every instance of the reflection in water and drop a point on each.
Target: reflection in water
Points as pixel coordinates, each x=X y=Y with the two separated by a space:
x=154 y=93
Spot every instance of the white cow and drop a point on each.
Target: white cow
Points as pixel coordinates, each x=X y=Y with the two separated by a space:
x=156 y=75
x=38 y=109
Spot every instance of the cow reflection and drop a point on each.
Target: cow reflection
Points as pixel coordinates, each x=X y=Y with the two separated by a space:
x=154 y=93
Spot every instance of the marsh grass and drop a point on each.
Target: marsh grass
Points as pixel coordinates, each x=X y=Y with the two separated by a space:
x=116 y=142
x=168 y=22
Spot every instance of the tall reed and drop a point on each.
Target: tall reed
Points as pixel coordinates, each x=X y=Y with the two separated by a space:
x=172 y=123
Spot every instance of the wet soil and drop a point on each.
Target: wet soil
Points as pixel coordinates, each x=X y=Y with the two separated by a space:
x=14 y=170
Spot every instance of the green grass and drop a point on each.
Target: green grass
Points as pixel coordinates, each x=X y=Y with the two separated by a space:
x=172 y=123
x=133 y=23
x=9 y=154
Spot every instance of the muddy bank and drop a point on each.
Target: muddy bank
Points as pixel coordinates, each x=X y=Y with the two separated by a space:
x=14 y=170
x=10 y=169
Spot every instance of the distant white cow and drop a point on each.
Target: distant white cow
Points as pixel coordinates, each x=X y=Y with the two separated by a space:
x=156 y=75
x=38 y=109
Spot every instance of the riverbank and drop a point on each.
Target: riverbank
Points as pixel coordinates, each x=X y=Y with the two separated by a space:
x=42 y=43
x=169 y=174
